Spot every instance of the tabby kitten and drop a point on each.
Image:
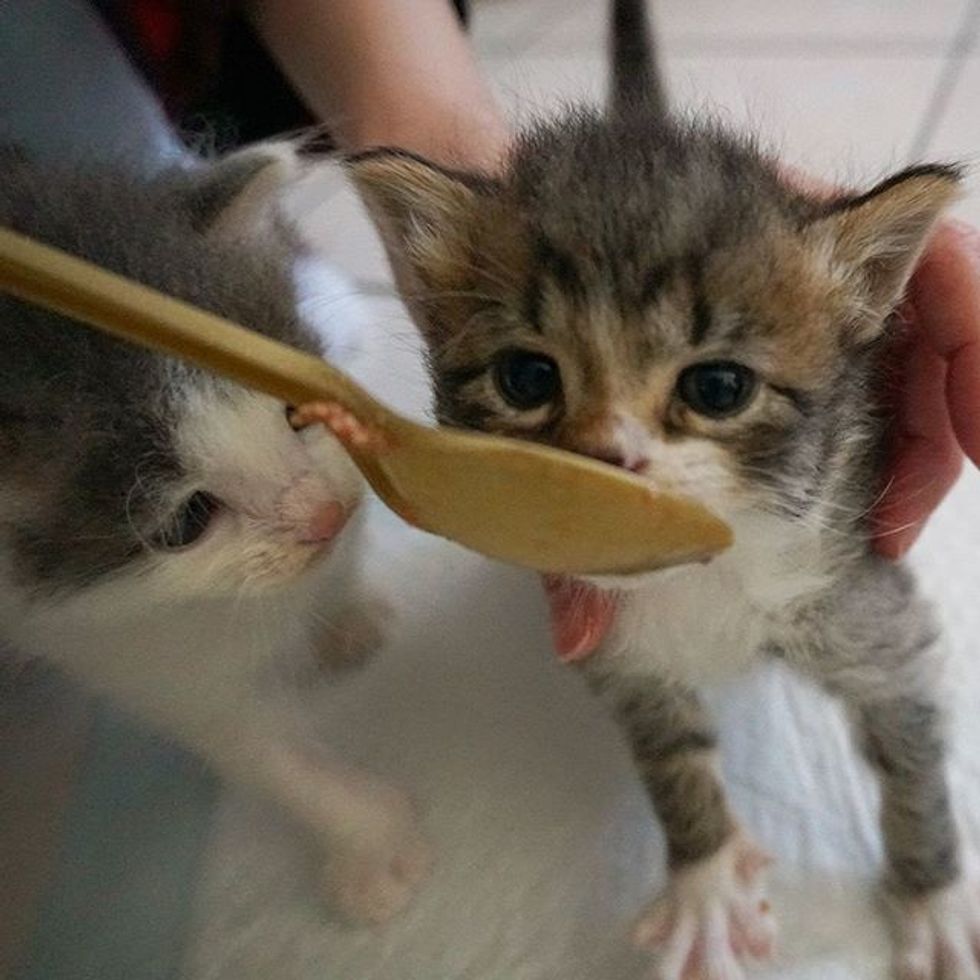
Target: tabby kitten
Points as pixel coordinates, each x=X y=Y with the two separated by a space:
x=651 y=291
x=166 y=537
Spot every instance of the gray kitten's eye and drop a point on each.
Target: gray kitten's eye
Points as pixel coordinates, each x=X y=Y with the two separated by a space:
x=527 y=379
x=191 y=521
x=717 y=389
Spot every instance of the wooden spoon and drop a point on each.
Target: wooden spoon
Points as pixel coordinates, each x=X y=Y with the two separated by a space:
x=530 y=505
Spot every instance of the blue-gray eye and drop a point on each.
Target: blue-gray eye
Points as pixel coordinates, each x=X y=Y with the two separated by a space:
x=526 y=379
x=191 y=521
x=717 y=389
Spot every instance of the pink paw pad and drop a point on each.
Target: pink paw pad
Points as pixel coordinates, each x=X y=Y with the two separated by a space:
x=347 y=428
x=938 y=935
x=712 y=918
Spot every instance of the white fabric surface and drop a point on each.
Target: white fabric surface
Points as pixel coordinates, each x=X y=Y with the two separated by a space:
x=546 y=845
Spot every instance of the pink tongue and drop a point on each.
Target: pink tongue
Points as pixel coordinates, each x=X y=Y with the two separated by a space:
x=581 y=615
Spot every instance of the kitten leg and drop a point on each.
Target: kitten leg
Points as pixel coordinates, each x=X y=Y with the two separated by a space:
x=713 y=914
x=376 y=856
x=887 y=680
x=934 y=909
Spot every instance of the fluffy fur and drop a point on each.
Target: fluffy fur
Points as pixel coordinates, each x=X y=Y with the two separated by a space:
x=167 y=538
x=627 y=248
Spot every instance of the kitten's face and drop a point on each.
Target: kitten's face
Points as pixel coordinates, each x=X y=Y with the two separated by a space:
x=700 y=381
x=256 y=504
x=655 y=299
x=204 y=491
x=119 y=464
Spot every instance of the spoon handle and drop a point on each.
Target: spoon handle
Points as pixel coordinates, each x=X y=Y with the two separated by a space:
x=58 y=281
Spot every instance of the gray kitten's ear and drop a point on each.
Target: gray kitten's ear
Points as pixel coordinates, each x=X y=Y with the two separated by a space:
x=241 y=194
x=878 y=237
x=422 y=211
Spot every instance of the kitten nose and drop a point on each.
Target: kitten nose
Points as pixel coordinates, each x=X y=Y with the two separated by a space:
x=326 y=524
x=617 y=457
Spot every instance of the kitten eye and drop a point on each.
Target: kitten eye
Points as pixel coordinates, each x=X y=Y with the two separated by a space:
x=717 y=389
x=527 y=379
x=191 y=521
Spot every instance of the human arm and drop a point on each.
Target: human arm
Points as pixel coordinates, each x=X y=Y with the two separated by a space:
x=387 y=73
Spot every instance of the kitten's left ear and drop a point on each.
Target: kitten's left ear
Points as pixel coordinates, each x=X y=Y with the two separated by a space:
x=411 y=199
x=423 y=212
x=879 y=236
x=241 y=193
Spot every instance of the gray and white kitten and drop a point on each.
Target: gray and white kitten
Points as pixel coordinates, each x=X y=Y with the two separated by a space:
x=166 y=537
x=654 y=292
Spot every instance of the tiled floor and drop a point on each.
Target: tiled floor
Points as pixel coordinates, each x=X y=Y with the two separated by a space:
x=846 y=88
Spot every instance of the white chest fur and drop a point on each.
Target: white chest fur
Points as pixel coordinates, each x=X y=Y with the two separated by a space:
x=704 y=623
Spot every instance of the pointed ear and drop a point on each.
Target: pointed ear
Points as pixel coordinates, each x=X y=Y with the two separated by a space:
x=422 y=211
x=412 y=199
x=241 y=194
x=877 y=238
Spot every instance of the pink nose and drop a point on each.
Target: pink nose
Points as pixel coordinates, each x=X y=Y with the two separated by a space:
x=617 y=457
x=326 y=524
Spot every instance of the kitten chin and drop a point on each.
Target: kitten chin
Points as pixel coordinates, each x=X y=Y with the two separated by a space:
x=774 y=560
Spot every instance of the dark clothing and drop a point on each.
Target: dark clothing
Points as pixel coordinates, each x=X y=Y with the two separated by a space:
x=209 y=69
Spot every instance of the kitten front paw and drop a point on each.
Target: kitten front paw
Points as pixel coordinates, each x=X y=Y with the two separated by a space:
x=372 y=876
x=938 y=935
x=349 y=430
x=712 y=918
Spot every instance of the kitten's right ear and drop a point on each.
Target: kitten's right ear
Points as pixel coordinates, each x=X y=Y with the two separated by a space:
x=878 y=237
x=423 y=212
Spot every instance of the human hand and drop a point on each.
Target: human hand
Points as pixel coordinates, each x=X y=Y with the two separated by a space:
x=936 y=399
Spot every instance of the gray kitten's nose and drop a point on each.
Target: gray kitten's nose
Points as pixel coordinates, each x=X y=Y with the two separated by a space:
x=325 y=524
